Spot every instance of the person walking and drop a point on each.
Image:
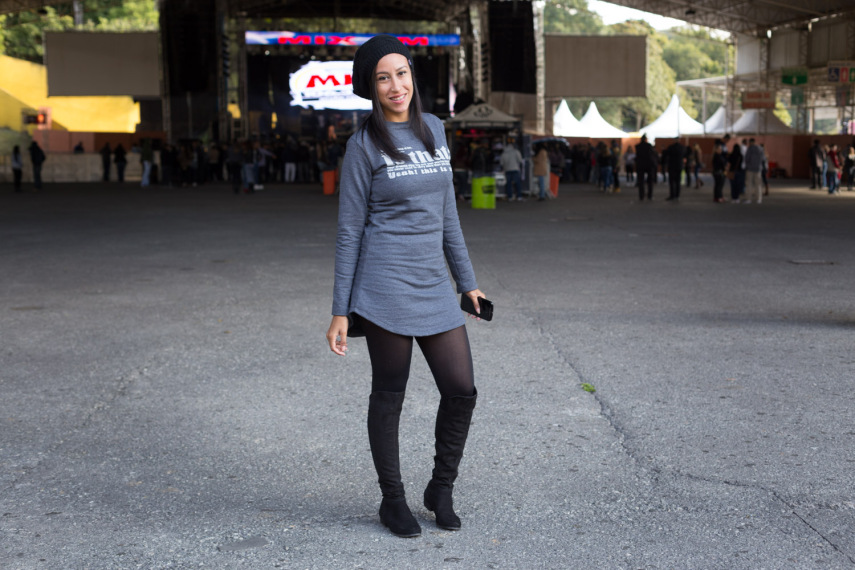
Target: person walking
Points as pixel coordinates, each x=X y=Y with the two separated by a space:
x=817 y=158
x=629 y=165
x=689 y=166
x=697 y=155
x=604 y=163
x=37 y=158
x=645 y=162
x=17 y=168
x=147 y=158
x=849 y=167
x=734 y=165
x=675 y=158
x=106 y=153
x=397 y=228
x=511 y=161
x=540 y=171
x=754 y=158
x=120 y=160
x=764 y=172
x=719 y=166
x=833 y=171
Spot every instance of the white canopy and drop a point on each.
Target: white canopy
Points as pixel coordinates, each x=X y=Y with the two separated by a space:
x=762 y=122
x=564 y=124
x=717 y=125
x=672 y=123
x=484 y=115
x=594 y=126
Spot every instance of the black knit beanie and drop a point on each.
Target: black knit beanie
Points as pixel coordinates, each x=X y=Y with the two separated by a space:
x=366 y=59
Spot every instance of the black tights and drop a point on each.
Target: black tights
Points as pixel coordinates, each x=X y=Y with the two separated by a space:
x=447 y=354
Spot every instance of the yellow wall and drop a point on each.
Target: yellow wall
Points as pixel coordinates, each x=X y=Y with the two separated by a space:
x=26 y=83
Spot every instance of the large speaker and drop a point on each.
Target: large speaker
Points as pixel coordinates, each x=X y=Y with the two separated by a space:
x=189 y=30
x=512 y=52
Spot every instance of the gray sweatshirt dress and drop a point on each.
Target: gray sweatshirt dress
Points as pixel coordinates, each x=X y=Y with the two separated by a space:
x=397 y=228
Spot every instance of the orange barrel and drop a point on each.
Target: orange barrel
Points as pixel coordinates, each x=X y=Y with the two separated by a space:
x=329 y=181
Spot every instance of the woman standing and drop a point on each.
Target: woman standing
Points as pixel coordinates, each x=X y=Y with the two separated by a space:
x=397 y=227
x=541 y=171
x=833 y=170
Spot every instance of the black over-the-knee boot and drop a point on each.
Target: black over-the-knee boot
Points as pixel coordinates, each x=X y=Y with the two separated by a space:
x=384 y=413
x=452 y=428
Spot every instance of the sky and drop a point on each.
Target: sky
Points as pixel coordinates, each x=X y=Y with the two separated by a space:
x=613 y=14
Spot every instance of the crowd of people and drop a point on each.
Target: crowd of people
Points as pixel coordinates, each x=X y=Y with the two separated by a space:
x=745 y=165
x=828 y=167
x=247 y=165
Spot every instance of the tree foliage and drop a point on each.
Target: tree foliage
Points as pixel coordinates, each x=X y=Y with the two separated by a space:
x=21 y=33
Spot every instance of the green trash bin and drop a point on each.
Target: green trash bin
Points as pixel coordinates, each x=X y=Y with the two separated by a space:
x=484 y=193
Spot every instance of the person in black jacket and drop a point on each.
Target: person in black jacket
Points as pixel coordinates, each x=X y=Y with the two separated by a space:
x=120 y=160
x=734 y=164
x=37 y=157
x=675 y=158
x=719 y=166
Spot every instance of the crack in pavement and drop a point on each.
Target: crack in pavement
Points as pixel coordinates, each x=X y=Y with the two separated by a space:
x=622 y=433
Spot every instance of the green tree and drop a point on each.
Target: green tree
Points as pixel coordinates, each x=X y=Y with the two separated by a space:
x=22 y=32
x=572 y=17
x=783 y=113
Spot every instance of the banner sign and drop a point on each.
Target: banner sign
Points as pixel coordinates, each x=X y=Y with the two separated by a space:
x=794 y=75
x=323 y=39
x=841 y=72
x=326 y=85
x=758 y=100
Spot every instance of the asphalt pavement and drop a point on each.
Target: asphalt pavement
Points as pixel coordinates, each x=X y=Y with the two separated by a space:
x=167 y=399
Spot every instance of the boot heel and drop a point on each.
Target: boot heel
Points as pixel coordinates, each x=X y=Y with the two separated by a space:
x=438 y=500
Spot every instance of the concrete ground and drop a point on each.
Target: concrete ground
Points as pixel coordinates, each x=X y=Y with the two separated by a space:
x=167 y=399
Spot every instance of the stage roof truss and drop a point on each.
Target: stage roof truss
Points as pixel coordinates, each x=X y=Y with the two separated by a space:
x=753 y=17
x=427 y=10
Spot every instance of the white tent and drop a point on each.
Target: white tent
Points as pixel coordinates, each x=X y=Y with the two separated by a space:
x=762 y=122
x=483 y=115
x=717 y=125
x=596 y=127
x=564 y=124
x=672 y=123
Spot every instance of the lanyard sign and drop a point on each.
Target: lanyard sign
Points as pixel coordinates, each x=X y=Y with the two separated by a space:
x=326 y=85
x=309 y=39
x=841 y=72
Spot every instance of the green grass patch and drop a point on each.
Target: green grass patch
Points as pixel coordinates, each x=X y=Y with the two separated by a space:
x=588 y=388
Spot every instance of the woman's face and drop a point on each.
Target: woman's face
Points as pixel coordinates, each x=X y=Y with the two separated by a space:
x=394 y=83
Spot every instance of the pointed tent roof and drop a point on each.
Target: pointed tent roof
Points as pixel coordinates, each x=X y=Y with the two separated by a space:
x=716 y=124
x=760 y=121
x=596 y=127
x=673 y=122
x=483 y=115
x=564 y=124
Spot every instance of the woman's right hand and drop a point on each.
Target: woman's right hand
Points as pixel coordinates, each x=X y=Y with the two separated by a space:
x=337 y=335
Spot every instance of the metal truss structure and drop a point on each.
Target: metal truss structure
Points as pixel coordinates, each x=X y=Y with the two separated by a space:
x=429 y=10
x=753 y=17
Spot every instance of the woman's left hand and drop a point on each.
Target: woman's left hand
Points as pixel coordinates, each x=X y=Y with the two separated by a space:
x=474 y=294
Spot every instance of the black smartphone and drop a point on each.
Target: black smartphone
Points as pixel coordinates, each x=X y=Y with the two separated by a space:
x=486 y=307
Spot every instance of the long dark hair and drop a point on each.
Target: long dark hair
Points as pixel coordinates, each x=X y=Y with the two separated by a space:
x=375 y=123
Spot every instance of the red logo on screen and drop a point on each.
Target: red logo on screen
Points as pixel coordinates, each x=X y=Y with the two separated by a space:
x=332 y=79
